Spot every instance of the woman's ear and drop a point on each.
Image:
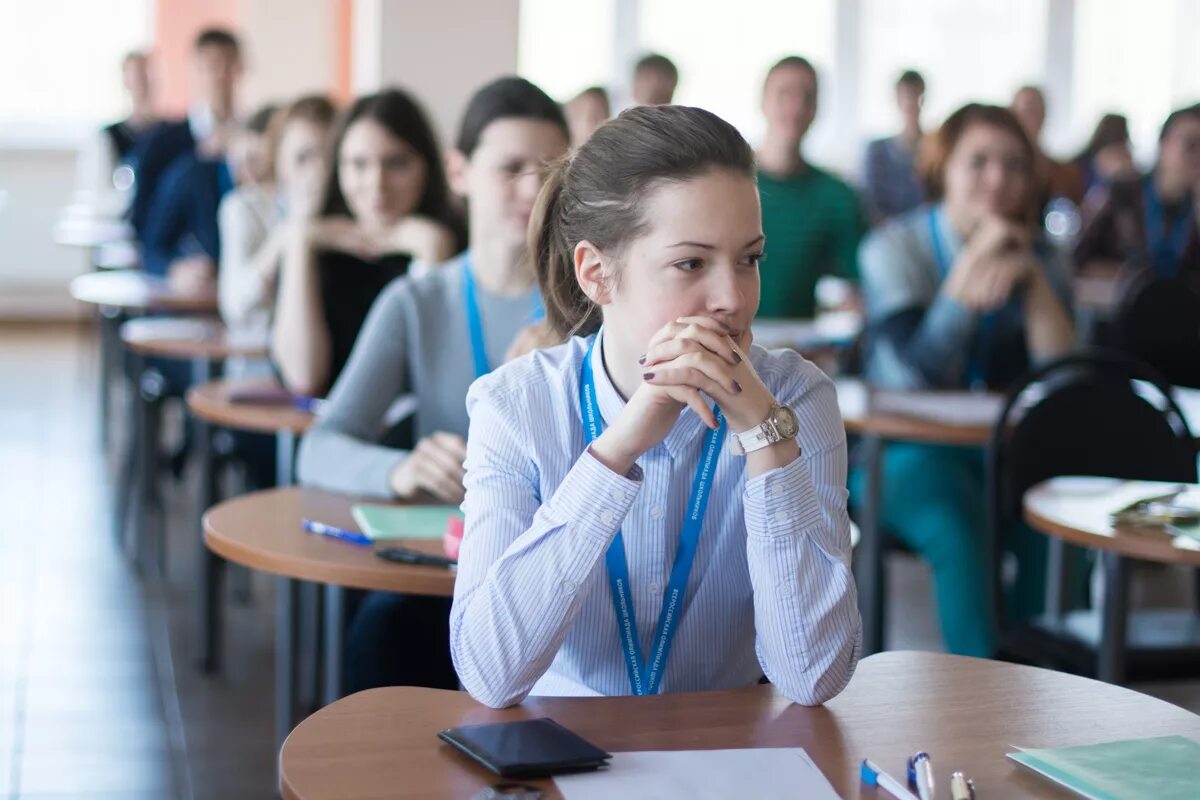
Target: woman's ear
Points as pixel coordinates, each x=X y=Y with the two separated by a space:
x=591 y=271
x=456 y=171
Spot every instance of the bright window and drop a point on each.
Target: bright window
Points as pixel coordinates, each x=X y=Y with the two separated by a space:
x=60 y=60
x=966 y=49
x=1139 y=59
x=723 y=51
x=565 y=47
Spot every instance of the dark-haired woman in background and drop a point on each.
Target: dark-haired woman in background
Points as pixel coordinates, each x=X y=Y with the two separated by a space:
x=386 y=207
x=962 y=294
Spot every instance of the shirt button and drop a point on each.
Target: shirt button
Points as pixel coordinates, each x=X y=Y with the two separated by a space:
x=607 y=517
x=568 y=587
x=618 y=495
x=656 y=512
x=778 y=490
x=653 y=587
x=781 y=517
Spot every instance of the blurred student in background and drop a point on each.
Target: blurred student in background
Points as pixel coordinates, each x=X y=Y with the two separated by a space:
x=256 y=217
x=208 y=129
x=99 y=186
x=813 y=220
x=585 y=112
x=1054 y=178
x=963 y=294
x=431 y=336
x=889 y=166
x=655 y=78
x=386 y=210
x=181 y=238
x=1150 y=222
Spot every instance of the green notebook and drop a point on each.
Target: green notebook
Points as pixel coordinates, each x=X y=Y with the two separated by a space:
x=403 y=522
x=1163 y=768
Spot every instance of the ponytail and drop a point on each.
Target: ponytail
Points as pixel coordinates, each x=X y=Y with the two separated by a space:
x=568 y=310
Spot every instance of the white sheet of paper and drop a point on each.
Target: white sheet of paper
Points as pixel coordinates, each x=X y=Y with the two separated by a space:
x=783 y=773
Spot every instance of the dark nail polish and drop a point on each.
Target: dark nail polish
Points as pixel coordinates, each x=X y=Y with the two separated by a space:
x=737 y=357
x=737 y=388
x=642 y=360
x=647 y=375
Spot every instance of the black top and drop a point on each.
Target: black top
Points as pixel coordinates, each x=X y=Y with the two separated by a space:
x=123 y=139
x=349 y=285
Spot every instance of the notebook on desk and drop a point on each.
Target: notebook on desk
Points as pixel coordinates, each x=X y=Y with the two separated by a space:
x=403 y=522
x=1161 y=768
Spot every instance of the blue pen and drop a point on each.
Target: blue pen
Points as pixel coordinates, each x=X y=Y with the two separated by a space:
x=920 y=775
x=312 y=405
x=872 y=775
x=322 y=529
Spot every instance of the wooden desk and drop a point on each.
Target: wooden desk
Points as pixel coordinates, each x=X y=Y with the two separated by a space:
x=134 y=290
x=1076 y=510
x=813 y=338
x=967 y=713
x=82 y=230
x=186 y=338
x=215 y=403
x=262 y=530
x=119 y=294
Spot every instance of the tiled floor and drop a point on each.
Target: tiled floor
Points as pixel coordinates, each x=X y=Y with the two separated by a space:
x=99 y=697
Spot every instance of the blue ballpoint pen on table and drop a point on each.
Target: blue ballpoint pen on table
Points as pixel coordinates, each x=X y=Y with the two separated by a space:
x=322 y=529
x=920 y=775
x=872 y=775
x=312 y=405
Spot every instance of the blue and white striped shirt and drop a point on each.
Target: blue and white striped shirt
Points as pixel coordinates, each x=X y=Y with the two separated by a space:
x=770 y=592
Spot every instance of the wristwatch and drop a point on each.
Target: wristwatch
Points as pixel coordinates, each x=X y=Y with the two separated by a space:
x=781 y=423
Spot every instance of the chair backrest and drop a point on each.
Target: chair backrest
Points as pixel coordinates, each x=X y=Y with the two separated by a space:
x=1083 y=415
x=1158 y=322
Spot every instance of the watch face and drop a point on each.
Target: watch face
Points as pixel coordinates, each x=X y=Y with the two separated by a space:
x=786 y=422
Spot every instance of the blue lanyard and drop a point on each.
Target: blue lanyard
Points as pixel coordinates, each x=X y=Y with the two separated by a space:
x=976 y=367
x=1165 y=245
x=645 y=676
x=475 y=322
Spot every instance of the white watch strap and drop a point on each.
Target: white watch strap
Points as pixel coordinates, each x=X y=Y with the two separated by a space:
x=756 y=438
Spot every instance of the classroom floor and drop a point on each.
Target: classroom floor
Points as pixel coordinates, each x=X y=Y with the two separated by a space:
x=99 y=696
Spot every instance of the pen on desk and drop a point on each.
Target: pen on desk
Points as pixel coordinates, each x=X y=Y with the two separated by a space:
x=961 y=788
x=312 y=405
x=920 y=775
x=322 y=529
x=872 y=775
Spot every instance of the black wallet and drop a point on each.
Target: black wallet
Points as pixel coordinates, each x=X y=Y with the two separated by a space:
x=532 y=748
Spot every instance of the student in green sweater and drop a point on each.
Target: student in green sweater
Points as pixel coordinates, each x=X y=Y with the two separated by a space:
x=813 y=221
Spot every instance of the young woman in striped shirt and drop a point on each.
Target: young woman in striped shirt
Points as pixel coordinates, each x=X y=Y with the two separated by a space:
x=623 y=534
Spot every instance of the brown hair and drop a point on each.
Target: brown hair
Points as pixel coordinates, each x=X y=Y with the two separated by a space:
x=939 y=145
x=596 y=194
x=315 y=109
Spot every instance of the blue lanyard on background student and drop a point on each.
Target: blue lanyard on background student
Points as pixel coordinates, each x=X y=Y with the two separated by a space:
x=1164 y=246
x=645 y=676
x=975 y=372
x=475 y=322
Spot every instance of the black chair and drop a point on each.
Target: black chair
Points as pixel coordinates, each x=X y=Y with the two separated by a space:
x=1081 y=415
x=1158 y=322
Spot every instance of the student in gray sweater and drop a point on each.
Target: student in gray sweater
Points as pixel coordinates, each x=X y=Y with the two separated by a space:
x=430 y=337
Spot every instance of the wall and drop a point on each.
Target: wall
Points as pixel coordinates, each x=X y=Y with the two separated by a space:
x=396 y=42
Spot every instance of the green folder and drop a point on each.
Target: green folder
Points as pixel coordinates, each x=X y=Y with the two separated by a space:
x=1162 y=768
x=403 y=522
